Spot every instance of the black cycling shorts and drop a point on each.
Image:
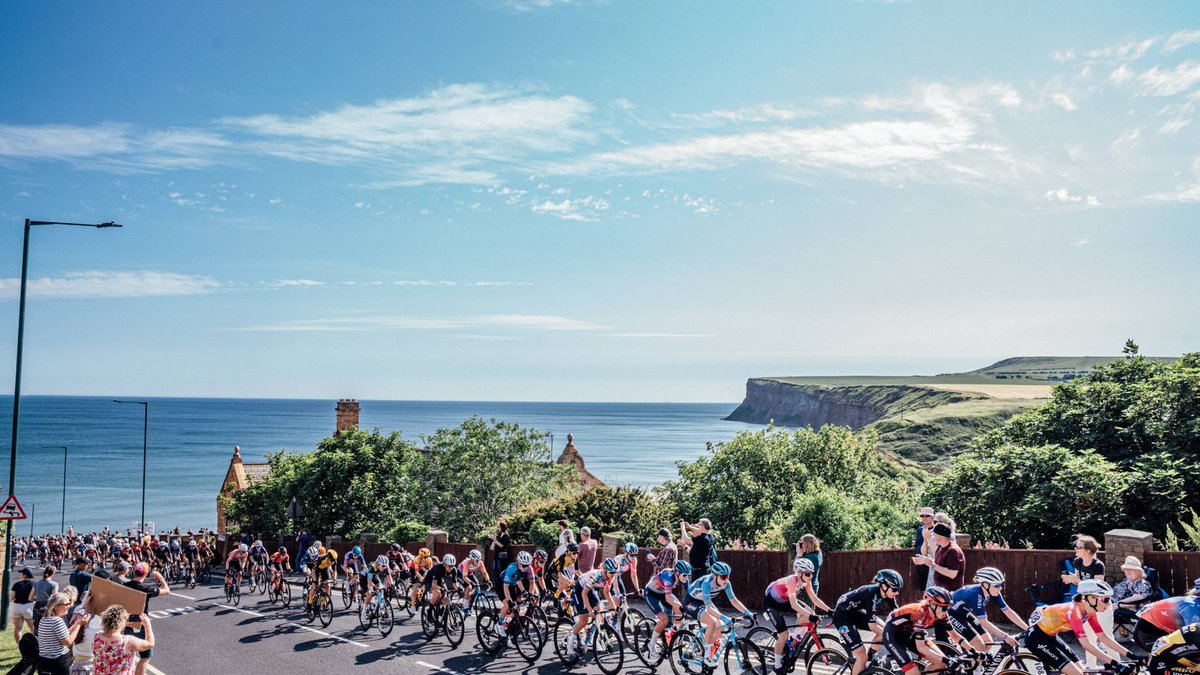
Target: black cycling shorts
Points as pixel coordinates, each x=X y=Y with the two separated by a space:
x=1051 y=649
x=964 y=622
x=777 y=612
x=849 y=624
x=900 y=643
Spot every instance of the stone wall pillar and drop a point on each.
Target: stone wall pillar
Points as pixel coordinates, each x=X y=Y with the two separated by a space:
x=436 y=537
x=1118 y=544
x=609 y=546
x=963 y=540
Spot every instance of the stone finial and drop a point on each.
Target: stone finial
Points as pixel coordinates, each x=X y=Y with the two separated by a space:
x=570 y=439
x=237 y=454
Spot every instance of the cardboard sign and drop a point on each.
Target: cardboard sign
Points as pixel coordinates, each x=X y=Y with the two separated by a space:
x=106 y=594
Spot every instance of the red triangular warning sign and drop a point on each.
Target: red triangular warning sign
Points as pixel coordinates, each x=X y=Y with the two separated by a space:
x=12 y=509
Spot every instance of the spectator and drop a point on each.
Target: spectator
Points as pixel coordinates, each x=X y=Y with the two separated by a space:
x=810 y=547
x=55 y=637
x=923 y=545
x=302 y=540
x=47 y=587
x=587 y=550
x=122 y=571
x=113 y=648
x=948 y=563
x=1085 y=565
x=82 y=649
x=22 y=598
x=80 y=580
x=702 y=546
x=565 y=536
x=1132 y=591
x=136 y=628
x=501 y=547
x=667 y=553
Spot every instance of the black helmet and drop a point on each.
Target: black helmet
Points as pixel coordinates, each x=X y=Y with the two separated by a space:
x=890 y=577
x=573 y=548
x=396 y=548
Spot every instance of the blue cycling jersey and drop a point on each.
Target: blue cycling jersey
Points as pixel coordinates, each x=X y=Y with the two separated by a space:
x=976 y=600
x=702 y=589
x=514 y=575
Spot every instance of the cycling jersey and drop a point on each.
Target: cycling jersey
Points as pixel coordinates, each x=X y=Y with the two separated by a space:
x=663 y=582
x=514 y=575
x=560 y=566
x=1180 y=649
x=864 y=600
x=625 y=562
x=591 y=580
x=324 y=563
x=1060 y=618
x=258 y=553
x=781 y=590
x=420 y=565
x=280 y=560
x=469 y=567
x=915 y=616
x=442 y=575
x=973 y=598
x=1171 y=614
x=355 y=560
x=703 y=588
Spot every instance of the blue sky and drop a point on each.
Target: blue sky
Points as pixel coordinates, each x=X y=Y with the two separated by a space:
x=557 y=200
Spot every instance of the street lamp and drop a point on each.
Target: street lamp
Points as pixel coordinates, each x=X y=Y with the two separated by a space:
x=63 y=527
x=145 y=427
x=16 y=416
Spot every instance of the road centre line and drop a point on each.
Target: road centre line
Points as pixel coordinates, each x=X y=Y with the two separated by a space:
x=328 y=635
x=439 y=669
x=186 y=597
x=238 y=609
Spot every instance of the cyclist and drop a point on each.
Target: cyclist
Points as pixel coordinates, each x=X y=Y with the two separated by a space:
x=587 y=600
x=517 y=579
x=660 y=596
x=1176 y=652
x=968 y=614
x=563 y=570
x=539 y=571
x=236 y=563
x=400 y=561
x=324 y=570
x=175 y=552
x=258 y=558
x=443 y=577
x=378 y=572
x=906 y=630
x=417 y=570
x=473 y=573
x=627 y=562
x=1167 y=616
x=698 y=603
x=860 y=609
x=204 y=550
x=783 y=597
x=309 y=558
x=1092 y=598
x=354 y=562
x=280 y=562
x=191 y=557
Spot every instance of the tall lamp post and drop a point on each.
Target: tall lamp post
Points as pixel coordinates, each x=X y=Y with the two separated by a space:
x=145 y=427
x=16 y=416
x=63 y=527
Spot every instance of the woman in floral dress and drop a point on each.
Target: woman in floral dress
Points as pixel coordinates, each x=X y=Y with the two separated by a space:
x=114 y=653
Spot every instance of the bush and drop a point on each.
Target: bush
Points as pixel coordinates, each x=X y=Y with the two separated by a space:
x=843 y=522
x=406 y=531
x=603 y=509
x=544 y=535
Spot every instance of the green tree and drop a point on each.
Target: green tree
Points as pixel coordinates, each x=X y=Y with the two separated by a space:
x=603 y=509
x=1041 y=495
x=843 y=522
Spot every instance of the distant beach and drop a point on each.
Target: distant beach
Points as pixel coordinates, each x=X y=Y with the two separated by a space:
x=192 y=439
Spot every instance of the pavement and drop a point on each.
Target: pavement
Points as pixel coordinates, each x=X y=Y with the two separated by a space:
x=196 y=631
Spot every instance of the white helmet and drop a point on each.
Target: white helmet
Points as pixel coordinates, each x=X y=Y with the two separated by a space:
x=243 y=548
x=1095 y=588
x=803 y=566
x=382 y=561
x=989 y=575
x=448 y=560
x=475 y=555
x=523 y=558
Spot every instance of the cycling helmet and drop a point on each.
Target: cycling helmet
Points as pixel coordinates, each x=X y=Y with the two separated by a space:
x=191 y=544
x=803 y=566
x=257 y=542
x=631 y=547
x=890 y=577
x=382 y=561
x=356 y=550
x=683 y=569
x=321 y=551
x=721 y=569
x=282 y=549
x=475 y=555
x=333 y=554
x=989 y=575
x=317 y=543
x=938 y=596
x=523 y=558
x=611 y=566
x=396 y=547
x=448 y=560
x=423 y=553
x=573 y=549
x=1095 y=588
x=539 y=555
x=243 y=548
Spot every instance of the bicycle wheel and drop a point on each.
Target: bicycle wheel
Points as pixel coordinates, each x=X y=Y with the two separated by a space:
x=630 y=618
x=608 y=648
x=530 y=639
x=325 y=610
x=828 y=661
x=385 y=619
x=455 y=631
x=687 y=654
x=1024 y=661
x=644 y=638
x=429 y=622
x=229 y=591
x=310 y=609
x=237 y=594
x=348 y=590
x=746 y=659
x=262 y=583
x=562 y=633
x=285 y=592
x=487 y=627
x=366 y=614
x=400 y=594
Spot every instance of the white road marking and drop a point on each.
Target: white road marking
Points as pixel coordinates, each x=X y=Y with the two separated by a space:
x=239 y=609
x=187 y=597
x=439 y=669
x=328 y=635
x=154 y=670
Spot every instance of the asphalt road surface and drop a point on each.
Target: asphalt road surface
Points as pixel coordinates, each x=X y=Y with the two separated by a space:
x=196 y=631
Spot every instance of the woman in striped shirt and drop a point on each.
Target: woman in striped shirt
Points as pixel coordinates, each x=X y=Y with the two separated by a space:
x=55 y=637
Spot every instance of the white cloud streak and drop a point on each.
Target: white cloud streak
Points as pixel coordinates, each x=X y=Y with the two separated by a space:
x=96 y=284
x=536 y=322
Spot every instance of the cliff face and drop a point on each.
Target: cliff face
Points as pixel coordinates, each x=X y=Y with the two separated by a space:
x=798 y=405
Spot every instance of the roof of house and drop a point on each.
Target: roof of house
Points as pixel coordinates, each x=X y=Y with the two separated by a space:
x=256 y=471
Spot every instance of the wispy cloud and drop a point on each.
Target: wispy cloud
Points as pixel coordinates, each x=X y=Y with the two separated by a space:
x=1180 y=40
x=96 y=284
x=538 y=322
x=661 y=336
x=1065 y=196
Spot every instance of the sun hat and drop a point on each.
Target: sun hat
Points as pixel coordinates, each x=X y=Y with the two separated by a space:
x=1132 y=563
x=926 y=511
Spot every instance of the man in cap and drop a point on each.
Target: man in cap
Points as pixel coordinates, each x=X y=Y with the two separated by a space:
x=948 y=563
x=923 y=546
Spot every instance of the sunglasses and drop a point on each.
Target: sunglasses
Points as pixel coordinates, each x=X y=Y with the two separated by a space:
x=806 y=574
x=1105 y=600
x=724 y=577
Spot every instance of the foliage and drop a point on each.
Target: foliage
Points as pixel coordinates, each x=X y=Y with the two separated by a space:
x=843 y=522
x=544 y=535
x=406 y=531
x=1191 y=535
x=1043 y=494
x=603 y=509
x=744 y=486
x=1141 y=414
x=463 y=480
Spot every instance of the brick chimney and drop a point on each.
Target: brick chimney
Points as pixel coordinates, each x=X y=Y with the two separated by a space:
x=347 y=415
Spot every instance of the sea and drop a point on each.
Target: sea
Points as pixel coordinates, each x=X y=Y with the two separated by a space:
x=190 y=442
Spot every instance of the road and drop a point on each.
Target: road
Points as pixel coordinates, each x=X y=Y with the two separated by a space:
x=196 y=631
